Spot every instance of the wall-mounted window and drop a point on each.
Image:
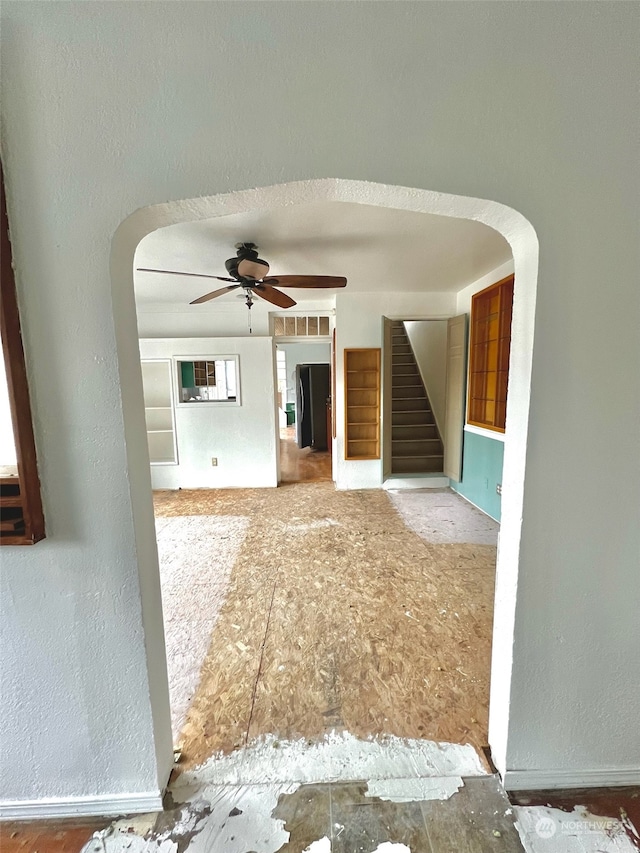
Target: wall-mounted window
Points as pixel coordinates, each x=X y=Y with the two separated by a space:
x=489 y=350
x=214 y=379
x=310 y=326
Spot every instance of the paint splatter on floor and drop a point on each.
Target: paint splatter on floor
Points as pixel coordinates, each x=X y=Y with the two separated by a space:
x=248 y=800
x=549 y=830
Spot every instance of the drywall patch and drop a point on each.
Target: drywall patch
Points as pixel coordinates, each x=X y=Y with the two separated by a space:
x=543 y=829
x=390 y=847
x=412 y=790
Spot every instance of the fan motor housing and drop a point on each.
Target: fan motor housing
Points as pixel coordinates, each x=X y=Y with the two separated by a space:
x=247 y=264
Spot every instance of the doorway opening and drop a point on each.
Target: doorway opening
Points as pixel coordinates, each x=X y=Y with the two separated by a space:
x=304 y=410
x=522 y=240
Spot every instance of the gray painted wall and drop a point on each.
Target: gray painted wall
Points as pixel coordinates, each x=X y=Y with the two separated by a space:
x=108 y=107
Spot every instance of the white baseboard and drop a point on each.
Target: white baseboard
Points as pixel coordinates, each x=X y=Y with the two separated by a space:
x=98 y=806
x=415 y=481
x=542 y=780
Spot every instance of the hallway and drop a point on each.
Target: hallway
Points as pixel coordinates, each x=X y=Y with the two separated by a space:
x=302 y=465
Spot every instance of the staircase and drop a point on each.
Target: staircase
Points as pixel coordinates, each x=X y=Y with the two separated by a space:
x=416 y=447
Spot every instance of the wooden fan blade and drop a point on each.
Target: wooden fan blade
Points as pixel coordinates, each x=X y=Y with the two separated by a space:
x=307 y=281
x=272 y=295
x=191 y=274
x=213 y=294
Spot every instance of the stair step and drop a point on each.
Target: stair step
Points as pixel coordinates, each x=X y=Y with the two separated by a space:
x=405 y=368
x=399 y=380
x=412 y=417
x=401 y=392
x=407 y=404
x=416 y=447
x=405 y=432
x=417 y=465
x=401 y=349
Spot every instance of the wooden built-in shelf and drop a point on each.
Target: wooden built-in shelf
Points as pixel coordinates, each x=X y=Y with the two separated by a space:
x=362 y=403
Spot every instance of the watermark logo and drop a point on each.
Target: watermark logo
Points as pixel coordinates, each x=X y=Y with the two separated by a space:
x=546 y=827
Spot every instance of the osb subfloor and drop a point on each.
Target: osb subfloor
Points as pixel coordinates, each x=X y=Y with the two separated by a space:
x=338 y=616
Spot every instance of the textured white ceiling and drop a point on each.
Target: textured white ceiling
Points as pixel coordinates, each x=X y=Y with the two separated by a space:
x=376 y=248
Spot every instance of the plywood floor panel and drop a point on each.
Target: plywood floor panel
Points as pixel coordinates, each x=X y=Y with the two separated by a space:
x=370 y=628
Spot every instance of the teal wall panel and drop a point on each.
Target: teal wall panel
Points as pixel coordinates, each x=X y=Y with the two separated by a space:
x=482 y=459
x=188 y=374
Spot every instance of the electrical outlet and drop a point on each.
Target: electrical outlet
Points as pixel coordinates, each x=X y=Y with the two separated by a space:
x=498 y=488
x=214 y=460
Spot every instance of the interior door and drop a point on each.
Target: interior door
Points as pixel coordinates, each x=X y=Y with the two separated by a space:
x=455 y=396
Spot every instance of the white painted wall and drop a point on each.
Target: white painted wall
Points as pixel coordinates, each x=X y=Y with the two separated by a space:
x=359 y=324
x=463 y=297
x=7 y=443
x=302 y=353
x=421 y=107
x=243 y=438
x=429 y=342
x=227 y=316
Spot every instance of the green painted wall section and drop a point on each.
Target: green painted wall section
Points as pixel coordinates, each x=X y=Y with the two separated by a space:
x=188 y=374
x=481 y=470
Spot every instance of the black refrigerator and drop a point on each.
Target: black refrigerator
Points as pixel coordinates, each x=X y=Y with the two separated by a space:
x=313 y=389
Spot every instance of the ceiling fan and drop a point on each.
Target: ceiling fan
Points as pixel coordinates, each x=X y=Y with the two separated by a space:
x=250 y=272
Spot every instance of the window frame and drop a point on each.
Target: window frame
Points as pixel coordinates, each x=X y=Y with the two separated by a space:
x=28 y=479
x=177 y=372
x=495 y=375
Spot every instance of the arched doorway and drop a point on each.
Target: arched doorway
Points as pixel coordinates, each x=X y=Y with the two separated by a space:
x=523 y=242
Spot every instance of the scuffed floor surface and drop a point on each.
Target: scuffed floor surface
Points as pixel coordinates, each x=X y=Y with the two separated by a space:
x=338 y=616
x=341 y=795
x=418 y=796
x=440 y=515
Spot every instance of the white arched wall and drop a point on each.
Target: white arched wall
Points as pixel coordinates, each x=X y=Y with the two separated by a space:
x=524 y=244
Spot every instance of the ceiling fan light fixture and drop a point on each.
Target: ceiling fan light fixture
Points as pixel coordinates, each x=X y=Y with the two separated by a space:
x=252 y=268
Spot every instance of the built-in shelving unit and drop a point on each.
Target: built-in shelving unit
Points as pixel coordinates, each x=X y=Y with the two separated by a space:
x=362 y=403
x=158 y=410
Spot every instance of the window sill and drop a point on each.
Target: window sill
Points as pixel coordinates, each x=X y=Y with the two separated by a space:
x=487 y=433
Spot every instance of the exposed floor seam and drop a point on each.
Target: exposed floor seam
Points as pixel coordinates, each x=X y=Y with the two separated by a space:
x=262 y=648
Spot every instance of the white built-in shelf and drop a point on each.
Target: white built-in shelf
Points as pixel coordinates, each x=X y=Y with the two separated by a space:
x=158 y=409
